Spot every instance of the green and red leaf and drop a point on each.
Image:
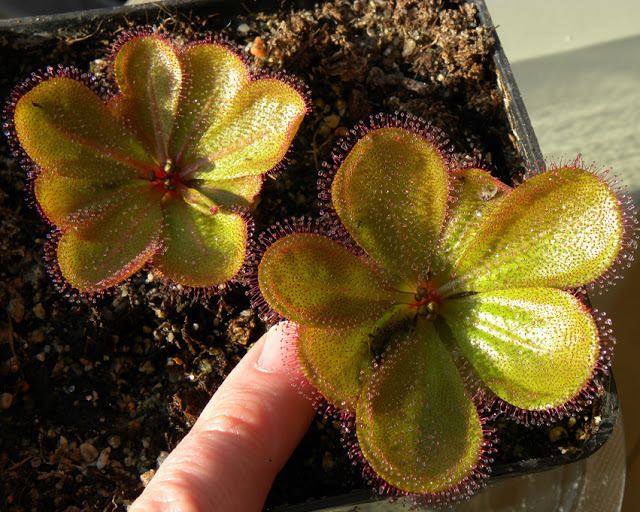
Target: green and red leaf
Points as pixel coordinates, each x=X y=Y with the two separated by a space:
x=72 y=202
x=115 y=246
x=253 y=137
x=390 y=193
x=336 y=361
x=475 y=194
x=240 y=192
x=562 y=228
x=213 y=76
x=416 y=424
x=314 y=281
x=65 y=128
x=536 y=348
x=149 y=76
x=202 y=249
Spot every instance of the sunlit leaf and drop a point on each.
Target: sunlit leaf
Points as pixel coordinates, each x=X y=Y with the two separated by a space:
x=390 y=193
x=312 y=280
x=65 y=128
x=253 y=137
x=561 y=228
x=199 y=201
x=416 y=425
x=69 y=202
x=335 y=360
x=201 y=249
x=213 y=75
x=148 y=73
x=235 y=192
x=475 y=194
x=536 y=348
x=113 y=248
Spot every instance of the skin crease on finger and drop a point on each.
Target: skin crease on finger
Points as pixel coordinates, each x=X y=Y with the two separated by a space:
x=245 y=434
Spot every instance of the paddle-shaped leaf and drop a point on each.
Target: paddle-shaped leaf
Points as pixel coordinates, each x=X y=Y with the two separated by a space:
x=391 y=194
x=416 y=425
x=149 y=76
x=336 y=361
x=561 y=228
x=115 y=246
x=65 y=128
x=201 y=248
x=315 y=281
x=536 y=348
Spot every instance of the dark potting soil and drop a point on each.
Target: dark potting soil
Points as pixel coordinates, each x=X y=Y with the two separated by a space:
x=93 y=395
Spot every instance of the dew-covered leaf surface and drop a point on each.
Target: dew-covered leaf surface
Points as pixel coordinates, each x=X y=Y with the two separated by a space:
x=65 y=128
x=149 y=76
x=416 y=425
x=561 y=228
x=336 y=361
x=390 y=193
x=313 y=280
x=254 y=135
x=536 y=348
x=202 y=249
x=475 y=193
x=213 y=75
x=113 y=247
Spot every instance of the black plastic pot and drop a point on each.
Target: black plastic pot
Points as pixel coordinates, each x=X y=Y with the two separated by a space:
x=46 y=31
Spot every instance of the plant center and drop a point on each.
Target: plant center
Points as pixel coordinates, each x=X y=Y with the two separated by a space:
x=427 y=302
x=165 y=177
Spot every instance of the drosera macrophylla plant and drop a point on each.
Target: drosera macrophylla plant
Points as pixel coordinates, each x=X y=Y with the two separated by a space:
x=163 y=170
x=433 y=297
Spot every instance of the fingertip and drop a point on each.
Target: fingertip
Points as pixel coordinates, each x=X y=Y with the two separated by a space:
x=247 y=431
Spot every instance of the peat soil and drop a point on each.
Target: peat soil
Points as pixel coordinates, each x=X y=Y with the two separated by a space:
x=94 y=394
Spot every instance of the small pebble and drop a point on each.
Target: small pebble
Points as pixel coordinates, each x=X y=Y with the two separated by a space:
x=16 y=309
x=557 y=433
x=408 y=47
x=146 y=477
x=38 y=336
x=571 y=422
x=258 y=48
x=6 y=400
x=114 y=441
x=39 y=311
x=243 y=28
x=89 y=452
x=103 y=458
x=147 y=368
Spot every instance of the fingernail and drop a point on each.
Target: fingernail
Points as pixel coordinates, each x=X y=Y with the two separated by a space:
x=276 y=349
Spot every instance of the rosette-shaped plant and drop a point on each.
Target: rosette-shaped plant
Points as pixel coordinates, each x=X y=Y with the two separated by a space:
x=439 y=292
x=160 y=171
